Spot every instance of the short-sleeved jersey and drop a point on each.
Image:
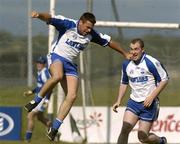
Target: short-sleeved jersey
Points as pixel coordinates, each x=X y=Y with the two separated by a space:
x=143 y=77
x=42 y=77
x=70 y=42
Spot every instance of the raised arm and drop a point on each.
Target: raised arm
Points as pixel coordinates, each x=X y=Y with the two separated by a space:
x=42 y=16
x=116 y=46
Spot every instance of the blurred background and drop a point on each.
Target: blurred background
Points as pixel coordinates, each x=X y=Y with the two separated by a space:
x=103 y=72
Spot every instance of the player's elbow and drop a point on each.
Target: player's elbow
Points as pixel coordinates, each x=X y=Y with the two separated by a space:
x=163 y=83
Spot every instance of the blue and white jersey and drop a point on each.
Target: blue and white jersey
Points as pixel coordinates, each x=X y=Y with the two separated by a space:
x=143 y=77
x=42 y=77
x=69 y=42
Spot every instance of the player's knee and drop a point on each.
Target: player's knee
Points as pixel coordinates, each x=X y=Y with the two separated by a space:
x=142 y=136
x=30 y=116
x=56 y=78
x=39 y=117
x=126 y=128
x=71 y=97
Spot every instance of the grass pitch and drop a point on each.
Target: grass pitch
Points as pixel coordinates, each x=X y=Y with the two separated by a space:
x=13 y=96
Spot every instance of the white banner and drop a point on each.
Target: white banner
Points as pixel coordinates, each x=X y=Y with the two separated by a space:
x=103 y=125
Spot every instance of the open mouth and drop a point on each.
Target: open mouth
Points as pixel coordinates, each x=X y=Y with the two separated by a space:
x=134 y=56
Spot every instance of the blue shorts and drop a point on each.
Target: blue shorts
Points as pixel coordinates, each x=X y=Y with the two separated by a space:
x=144 y=113
x=68 y=67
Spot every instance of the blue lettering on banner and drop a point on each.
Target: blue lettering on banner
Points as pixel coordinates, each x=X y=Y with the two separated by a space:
x=10 y=123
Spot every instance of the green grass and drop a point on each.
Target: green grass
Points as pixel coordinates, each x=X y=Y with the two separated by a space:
x=13 y=96
x=104 y=94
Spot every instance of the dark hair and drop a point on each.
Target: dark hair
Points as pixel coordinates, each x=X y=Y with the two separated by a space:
x=140 y=41
x=87 y=16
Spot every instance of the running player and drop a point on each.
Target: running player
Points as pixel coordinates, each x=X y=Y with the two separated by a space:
x=42 y=76
x=147 y=78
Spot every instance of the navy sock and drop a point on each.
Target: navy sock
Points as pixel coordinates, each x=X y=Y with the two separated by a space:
x=28 y=135
x=57 y=123
x=37 y=99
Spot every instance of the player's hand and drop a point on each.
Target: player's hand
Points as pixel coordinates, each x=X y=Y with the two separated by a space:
x=28 y=93
x=34 y=14
x=128 y=55
x=148 y=101
x=115 y=106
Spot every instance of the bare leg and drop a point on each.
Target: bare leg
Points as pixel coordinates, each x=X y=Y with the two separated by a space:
x=31 y=117
x=43 y=119
x=144 y=135
x=57 y=73
x=72 y=87
x=30 y=125
x=56 y=70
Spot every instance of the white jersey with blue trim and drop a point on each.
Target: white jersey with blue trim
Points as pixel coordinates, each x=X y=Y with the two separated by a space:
x=143 y=77
x=42 y=77
x=69 y=42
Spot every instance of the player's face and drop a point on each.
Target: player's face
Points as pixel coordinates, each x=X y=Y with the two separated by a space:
x=136 y=51
x=85 y=27
x=40 y=66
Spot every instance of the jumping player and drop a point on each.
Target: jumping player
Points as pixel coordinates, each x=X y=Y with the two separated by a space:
x=74 y=36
